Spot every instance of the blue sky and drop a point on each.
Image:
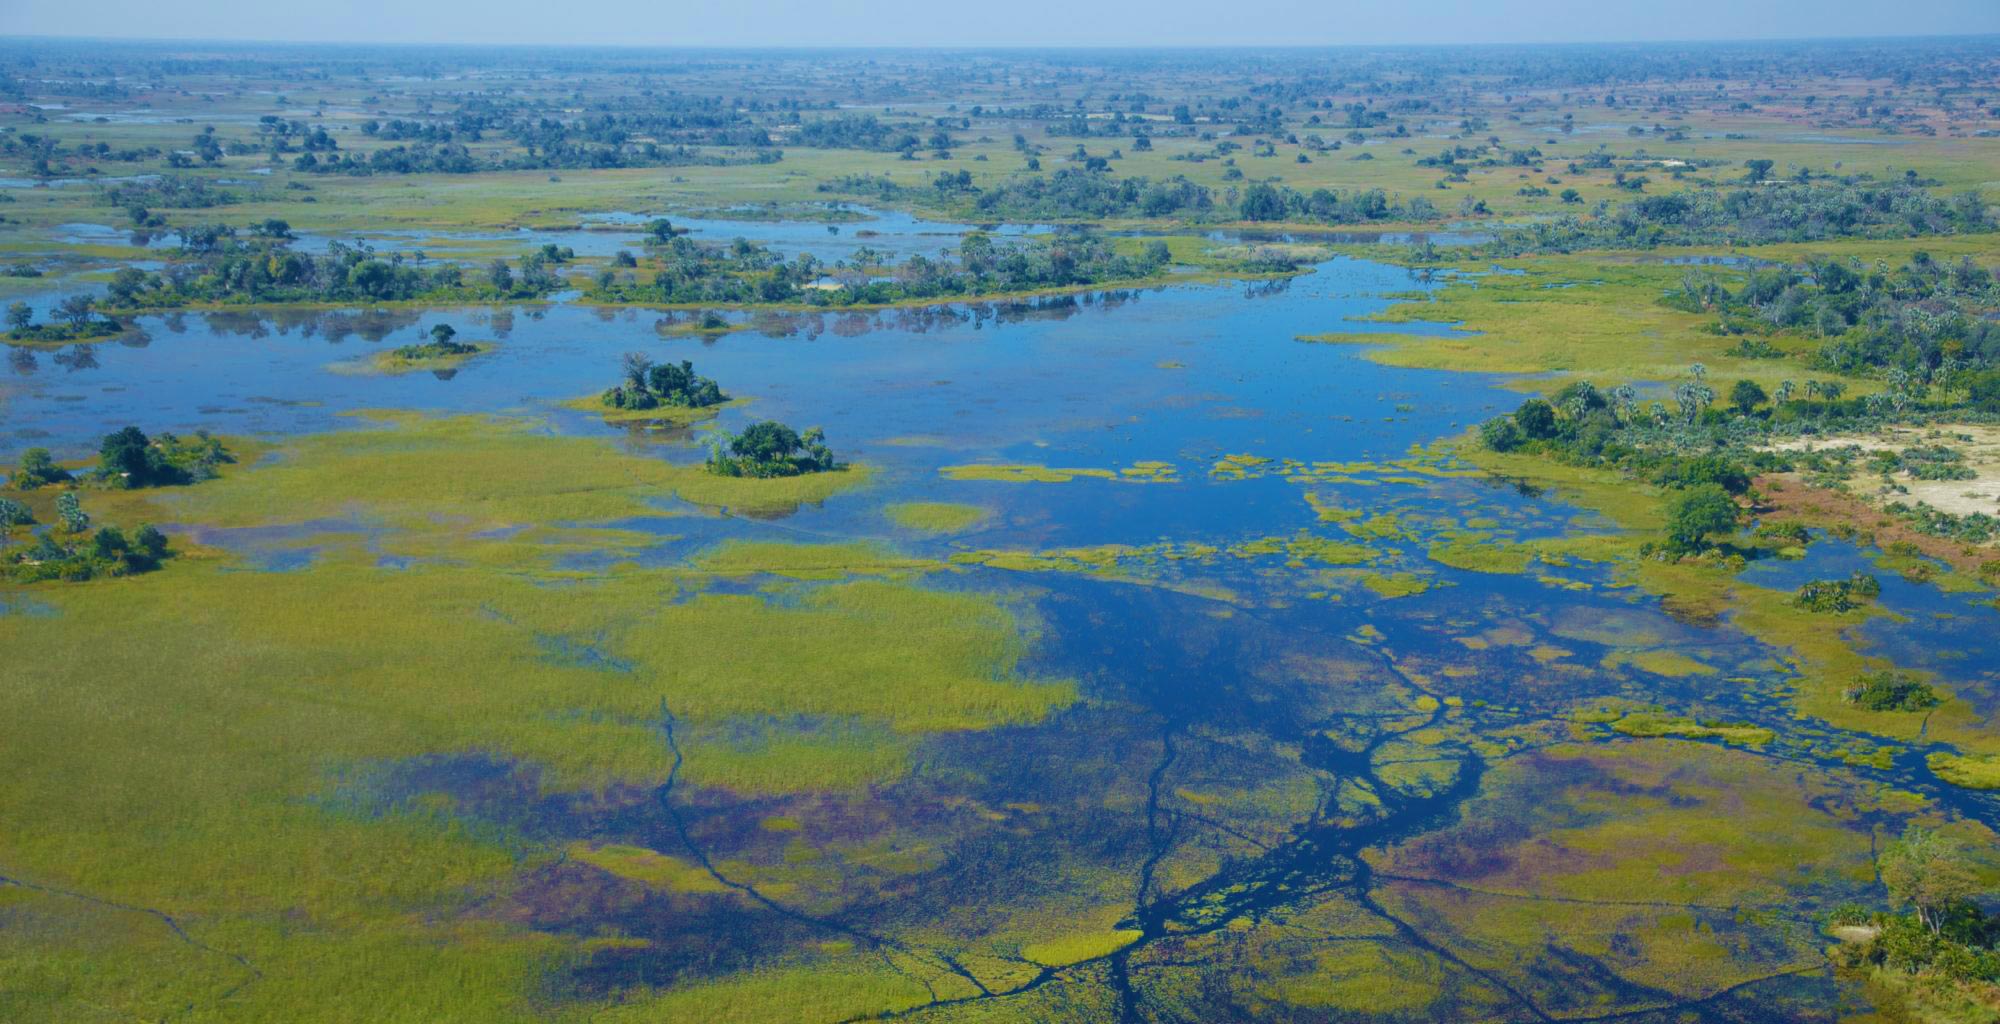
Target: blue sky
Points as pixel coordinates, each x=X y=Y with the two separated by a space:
x=1009 y=23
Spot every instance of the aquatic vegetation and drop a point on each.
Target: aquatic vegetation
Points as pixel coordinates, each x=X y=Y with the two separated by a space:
x=1641 y=724
x=1970 y=771
x=1023 y=474
x=936 y=516
x=1072 y=949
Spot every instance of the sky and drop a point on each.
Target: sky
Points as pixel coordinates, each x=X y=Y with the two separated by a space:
x=1011 y=23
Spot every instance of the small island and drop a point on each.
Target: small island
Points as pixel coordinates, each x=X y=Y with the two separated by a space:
x=771 y=449
x=441 y=354
x=656 y=392
x=74 y=319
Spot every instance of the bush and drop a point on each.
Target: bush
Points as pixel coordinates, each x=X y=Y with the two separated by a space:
x=1500 y=434
x=38 y=469
x=1696 y=513
x=1536 y=419
x=1892 y=691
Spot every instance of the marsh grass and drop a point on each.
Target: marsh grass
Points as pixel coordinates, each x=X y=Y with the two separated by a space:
x=186 y=766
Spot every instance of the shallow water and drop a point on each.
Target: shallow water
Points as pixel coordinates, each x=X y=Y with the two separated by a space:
x=1199 y=671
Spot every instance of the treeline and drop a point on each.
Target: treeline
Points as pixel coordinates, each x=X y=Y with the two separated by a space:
x=1926 y=319
x=689 y=272
x=216 y=266
x=453 y=158
x=1077 y=194
x=1765 y=214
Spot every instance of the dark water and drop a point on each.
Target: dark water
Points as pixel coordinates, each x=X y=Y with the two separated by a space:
x=1212 y=672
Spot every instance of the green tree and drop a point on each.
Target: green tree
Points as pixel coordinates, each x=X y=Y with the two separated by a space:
x=1929 y=872
x=1695 y=514
x=441 y=334
x=76 y=311
x=1746 y=396
x=70 y=511
x=1536 y=418
x=1261 y=202
x=38 y=468
x=20 y=317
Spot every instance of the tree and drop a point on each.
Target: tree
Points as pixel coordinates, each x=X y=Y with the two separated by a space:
x=441 y=334
x=765 y=442
x=1696 y=513
x=1928 y=871
x=502 y=278
x=38 y=468
x=126 y=285
x=1536 y=418
x=1746 y=396
x=1261 y=202
x=70 y=511
x=20 y=317
x=13 y=513
x=128 y=458
x=75 y=311
x=1758 y=170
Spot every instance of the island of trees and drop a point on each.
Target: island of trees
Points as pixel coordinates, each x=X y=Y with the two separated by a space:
x=74 y=318
x=650 y=385
x=771 y=449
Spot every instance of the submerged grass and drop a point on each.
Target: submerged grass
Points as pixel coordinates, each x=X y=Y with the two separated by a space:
x=182 y=767
x=936 y=516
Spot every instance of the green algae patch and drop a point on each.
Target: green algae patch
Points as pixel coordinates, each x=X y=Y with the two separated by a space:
x=847 y=985
x=807 y=561
x=392 y=362
x=1022 y=473
x=1979 y=772
x=1476 y=553
x=1360 y=976
x=1672 y=664
x=936 y=516
x=1646 y=725
x=1394 y=585
x=1075 y=949
x=647 y=867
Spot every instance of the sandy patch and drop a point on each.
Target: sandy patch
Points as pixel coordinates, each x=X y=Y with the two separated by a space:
x=1958 y=497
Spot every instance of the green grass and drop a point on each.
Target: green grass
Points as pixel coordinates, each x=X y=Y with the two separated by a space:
x=180 y=766
x=936 y=516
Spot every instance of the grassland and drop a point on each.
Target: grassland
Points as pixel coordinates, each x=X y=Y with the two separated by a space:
x=481 y=643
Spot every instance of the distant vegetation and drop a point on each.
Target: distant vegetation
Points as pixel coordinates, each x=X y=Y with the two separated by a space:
x=76 y=318
x=214 y=265
x=684 y=271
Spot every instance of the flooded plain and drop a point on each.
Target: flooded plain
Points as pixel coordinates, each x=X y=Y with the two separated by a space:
x=1344 y=746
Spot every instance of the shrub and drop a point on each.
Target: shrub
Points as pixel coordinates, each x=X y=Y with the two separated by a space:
x=1892 y=691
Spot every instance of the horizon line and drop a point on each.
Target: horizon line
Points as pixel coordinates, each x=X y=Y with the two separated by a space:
x=1993 y=36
